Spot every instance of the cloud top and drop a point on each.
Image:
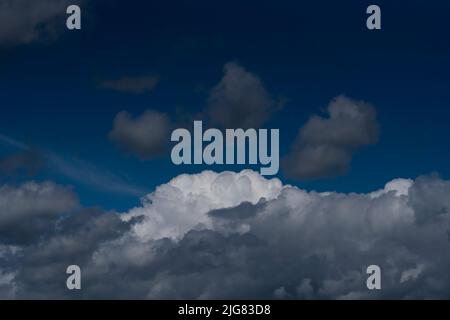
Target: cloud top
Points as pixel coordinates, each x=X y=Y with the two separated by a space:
x=183 y=203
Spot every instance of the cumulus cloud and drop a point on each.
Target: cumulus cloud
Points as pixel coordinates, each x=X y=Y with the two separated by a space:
x=138 y=84
x=27 y=211
x=25 y=21
x=239 y=235
x=429 y=198
x=74 y=239
x=324 y=146
x=146 y=135
x=239 y=100
x=183 y=203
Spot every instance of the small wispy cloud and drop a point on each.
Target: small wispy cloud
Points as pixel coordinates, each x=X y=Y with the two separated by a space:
x=12 y=142
x=135 y=84
x=81 y=171
x=87 y=173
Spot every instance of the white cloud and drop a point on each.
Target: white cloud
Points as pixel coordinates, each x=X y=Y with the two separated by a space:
x=187 y=202
x=399 y=186
x=183 y=203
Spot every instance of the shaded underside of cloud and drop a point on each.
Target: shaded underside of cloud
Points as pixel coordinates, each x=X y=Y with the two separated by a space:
x=239 y=235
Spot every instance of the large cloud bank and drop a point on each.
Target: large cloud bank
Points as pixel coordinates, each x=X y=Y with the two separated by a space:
x=239 y=235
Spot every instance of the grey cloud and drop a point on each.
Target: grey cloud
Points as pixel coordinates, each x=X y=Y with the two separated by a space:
x=430 y=199
x=146 y=136
x=25 y=21
x=297 y=245
x=243 y=210
x=324 y=146
x=239 y=100
x=136 y=85
x=28 y=211
x=75 y=239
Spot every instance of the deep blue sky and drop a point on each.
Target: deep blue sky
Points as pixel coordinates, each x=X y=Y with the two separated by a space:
x=305 y=52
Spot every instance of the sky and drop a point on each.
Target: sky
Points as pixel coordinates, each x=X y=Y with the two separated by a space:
x=88 y=113
x=305 y=54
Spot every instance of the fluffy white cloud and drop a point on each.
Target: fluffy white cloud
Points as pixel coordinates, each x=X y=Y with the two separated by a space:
x=399 y=186
x=192 y=201
x=183 y=203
